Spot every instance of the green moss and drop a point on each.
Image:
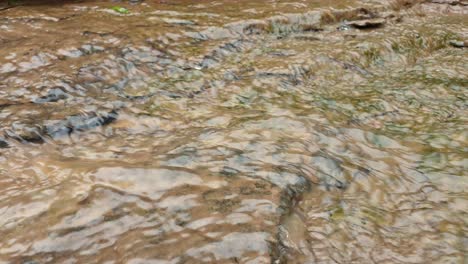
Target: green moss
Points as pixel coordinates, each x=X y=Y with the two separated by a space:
x=120 y=10
x=337 y=214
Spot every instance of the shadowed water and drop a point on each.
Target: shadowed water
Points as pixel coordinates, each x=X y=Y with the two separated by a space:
x=234 y=132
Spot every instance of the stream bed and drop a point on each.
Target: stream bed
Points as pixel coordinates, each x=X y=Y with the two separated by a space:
x=220 y=131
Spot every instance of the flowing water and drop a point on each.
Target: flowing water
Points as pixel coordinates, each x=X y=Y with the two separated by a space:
x=222 y=131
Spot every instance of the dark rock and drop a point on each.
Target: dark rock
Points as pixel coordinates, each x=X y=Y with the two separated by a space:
x=282 y=53
x=26 y=132
x=36 y=133
x=306 y=37
x=53 y=95
x=458 y=44
x=80 y=123
x=279 y=74
x=367 y=23
x=228 y=171
x=3 y=143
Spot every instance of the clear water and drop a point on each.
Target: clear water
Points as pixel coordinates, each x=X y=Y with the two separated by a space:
x=222 y=132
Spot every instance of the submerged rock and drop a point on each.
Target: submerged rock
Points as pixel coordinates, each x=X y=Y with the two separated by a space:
x=80 y=123
x=53 y=95
x=36 y=133
x=70 y=53
x=367 y=23
x=178 y=21
x=25 y=132
x=89 y=48
x=3 y=143
x=459 y=44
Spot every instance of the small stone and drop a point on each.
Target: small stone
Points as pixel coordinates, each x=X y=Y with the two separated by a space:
x=70 y=53
x=458 y=44
x=53 y=95
x=367 y=23
x=89 y=49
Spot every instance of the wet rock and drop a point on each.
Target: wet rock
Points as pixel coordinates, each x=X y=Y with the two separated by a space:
x=367 y=23
x=143 y=54
x=458 y=44
x=330 y=172
x=25 y=132
x=80 y=123
x=178 y=21
x=89 y=49
x=282 y=53
x=7 y=68
x=196 y=36
x=3 y=143
x=281 y=73
x=36 y=133
x=228 y=171
x=70 y=53
x=37 y=61
x=53 y=95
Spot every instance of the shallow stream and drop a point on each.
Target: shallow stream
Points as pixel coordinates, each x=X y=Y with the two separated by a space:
x=222 y=131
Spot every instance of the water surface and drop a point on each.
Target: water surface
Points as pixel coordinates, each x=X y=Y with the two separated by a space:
x=233 y=132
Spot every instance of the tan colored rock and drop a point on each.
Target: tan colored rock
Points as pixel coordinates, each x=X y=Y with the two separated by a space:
x=367 y=23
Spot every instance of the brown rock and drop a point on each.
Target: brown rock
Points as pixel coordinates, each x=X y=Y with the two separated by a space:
x=367 y=23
